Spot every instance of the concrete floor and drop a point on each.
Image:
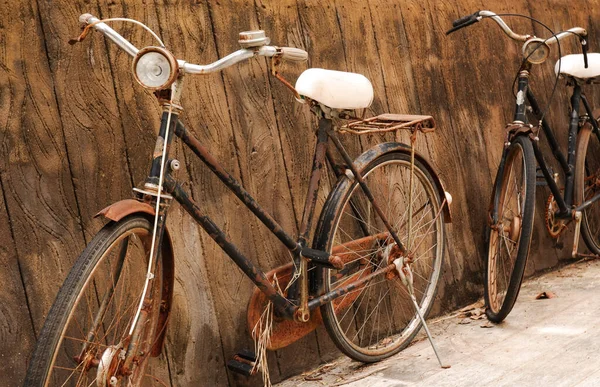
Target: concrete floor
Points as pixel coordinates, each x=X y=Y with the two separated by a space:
x=545 y=342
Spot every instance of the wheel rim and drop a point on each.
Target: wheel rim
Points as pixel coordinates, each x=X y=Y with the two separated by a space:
x=591 y=188
x=107 y=301
x=506 y=234
x=378 y=318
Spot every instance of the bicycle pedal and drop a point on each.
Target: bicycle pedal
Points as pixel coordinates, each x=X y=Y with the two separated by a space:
x=247 y=354
x=243 y=363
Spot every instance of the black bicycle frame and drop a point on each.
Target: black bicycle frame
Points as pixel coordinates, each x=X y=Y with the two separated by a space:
x=567 y=164
x=283 y=306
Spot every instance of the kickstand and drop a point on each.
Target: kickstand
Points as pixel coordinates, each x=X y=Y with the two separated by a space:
x=576 y=236
x=407 y=279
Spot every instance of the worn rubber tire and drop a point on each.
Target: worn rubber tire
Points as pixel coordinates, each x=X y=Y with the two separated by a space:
x=65 y=304
x=330 y=219
x=498 y=314
x=585 y=158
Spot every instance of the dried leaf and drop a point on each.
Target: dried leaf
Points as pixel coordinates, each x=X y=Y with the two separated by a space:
x=477 y=317
x=545 y=295
x=487 y=324
x=313 y=378
x=361 y=376
x=465 y=321
x=474 y=313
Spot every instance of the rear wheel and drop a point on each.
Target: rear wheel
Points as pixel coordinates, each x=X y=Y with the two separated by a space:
x=509 y=238
x=377 y=319
x=587 y=185
x=85 y=340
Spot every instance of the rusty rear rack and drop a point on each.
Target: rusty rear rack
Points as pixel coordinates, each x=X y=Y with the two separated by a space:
x=388 y=123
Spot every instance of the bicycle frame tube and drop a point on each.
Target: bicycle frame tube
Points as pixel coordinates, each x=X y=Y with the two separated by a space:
x=522 y=87
x=160 y=142
x=567 y=164
x=234 y=186
x=367 y=191
x=321 y=149
x=257 y=276
x=558 y=155
x=573 y=126
x=590 y=113
x=284 y=307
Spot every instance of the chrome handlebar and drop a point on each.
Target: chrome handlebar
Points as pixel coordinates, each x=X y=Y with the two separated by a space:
x=523 y=38
x=287 y=53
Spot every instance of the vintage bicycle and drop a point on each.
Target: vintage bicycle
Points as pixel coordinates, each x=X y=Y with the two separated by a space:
x=370 y=274
x=513 y=198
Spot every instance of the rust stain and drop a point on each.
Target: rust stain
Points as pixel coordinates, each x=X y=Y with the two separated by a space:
x=284 y=331
x=122 y=208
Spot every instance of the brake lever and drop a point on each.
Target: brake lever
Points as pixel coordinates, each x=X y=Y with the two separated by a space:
x=85 y=30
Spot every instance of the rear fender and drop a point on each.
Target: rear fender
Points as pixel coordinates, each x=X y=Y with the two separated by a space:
x=118 y=211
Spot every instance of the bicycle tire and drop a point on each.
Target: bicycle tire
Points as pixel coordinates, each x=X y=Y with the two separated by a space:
x=515 y=231
x=386 y=174
x=587 y=185
x=116 y=256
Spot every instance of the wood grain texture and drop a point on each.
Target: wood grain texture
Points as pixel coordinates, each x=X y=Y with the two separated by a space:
x=76 y=133
x=36 y=181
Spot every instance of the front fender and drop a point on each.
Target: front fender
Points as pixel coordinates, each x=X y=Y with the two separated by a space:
x=118 y=211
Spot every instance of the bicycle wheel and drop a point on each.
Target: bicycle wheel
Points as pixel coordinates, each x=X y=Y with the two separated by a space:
x=86 y=334
x=378 y=319
x=587 y=185
x=509 y=239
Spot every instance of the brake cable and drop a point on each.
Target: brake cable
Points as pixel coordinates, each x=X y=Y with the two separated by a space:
x=88 y=28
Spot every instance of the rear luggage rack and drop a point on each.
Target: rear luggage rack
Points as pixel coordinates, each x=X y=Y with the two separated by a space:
x=388 y=123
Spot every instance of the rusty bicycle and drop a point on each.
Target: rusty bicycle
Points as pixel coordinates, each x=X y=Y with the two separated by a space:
x=369 y=274
x=513 y=198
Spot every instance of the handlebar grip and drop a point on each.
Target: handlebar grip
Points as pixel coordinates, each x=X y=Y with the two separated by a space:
x=85 y=18
x=463 y=22
x=464 y=19
x=293 y=54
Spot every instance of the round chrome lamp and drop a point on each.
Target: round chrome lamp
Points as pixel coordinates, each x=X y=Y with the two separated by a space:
x=155 y=68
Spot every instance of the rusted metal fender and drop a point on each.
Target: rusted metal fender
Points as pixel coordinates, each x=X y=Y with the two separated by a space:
x=118 y=211
x=283 y=331
x=363 y=160
x=122 y=208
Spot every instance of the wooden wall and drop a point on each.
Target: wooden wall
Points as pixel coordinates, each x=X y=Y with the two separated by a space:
x=76 y=134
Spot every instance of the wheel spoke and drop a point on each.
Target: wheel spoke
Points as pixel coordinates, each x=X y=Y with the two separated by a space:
x=515 y=213
x=375 y=319
x=99 y=305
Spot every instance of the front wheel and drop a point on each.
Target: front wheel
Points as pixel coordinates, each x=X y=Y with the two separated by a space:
x=85 y=340
x=377 y=319
x=587 y=185
x=509 y=237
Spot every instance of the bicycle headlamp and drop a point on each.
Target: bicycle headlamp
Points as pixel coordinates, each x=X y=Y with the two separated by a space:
x=536 y=50
x=155 y=68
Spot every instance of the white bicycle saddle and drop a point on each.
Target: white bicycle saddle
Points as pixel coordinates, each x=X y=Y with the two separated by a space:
x=572 y=65
x=336 y=89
